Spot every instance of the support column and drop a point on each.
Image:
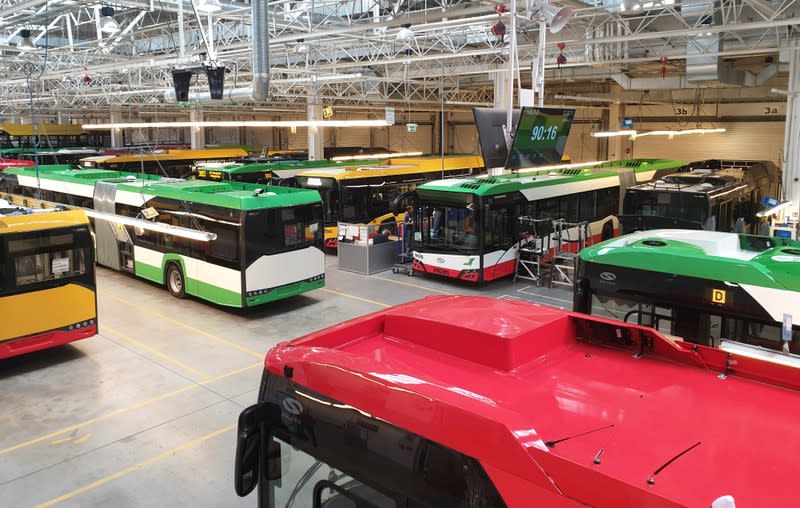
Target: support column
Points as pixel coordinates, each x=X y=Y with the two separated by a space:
x=791 y=143
x=501 y=86
x=197 y=134
x=316 y=145
x=116 y=134
x=614 y=147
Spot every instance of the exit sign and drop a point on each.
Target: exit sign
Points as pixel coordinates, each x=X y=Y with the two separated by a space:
x=411 y=127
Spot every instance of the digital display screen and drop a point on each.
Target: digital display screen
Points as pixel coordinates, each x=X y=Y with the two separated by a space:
x=540 y=138
x=491 y=123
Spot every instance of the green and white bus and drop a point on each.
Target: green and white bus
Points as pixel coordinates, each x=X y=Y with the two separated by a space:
x=468 y=228
x=715 y=195
x=233 y=244
x=714 y=288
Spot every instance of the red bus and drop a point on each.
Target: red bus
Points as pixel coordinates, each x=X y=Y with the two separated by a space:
x=496 y=403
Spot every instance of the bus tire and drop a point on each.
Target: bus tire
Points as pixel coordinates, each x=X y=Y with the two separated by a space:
x=173 y=279
x=608 y=231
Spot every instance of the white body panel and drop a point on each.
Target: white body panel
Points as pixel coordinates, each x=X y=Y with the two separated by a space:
x=285 y=268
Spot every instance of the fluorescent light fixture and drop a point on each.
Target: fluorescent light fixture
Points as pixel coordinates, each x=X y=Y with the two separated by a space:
x=108 y=25
x=405 y=34
x=611 y=134
x=775 y=209
x=208 y=6
x=683 y=132
x=554 y=167
x=25 y=43
x=158 y=227
x=245 y=123
x=374 y=156
x=759 y=353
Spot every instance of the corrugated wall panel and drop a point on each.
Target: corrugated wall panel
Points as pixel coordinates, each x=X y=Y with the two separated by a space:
x=465 y=139
x=350 y=136
x=581 y=146
x=743 y=140
x=299 y=139
x=402 y=141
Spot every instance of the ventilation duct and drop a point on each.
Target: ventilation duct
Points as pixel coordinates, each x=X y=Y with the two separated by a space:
x=700 y=66
x=260 y=41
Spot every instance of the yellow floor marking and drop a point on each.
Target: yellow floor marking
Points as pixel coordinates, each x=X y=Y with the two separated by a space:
x=154 y=351
x=127 y=409
x=184 y=325
x=354 y=297
x=62 y=440
x=136 y=467
x=82 y=439
x=409 y=284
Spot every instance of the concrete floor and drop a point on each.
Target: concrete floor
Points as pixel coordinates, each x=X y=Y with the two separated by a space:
x=144 y=413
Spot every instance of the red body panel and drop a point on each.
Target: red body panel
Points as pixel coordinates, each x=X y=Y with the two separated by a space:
x=14 y=163
x=499 y=380
x=47 y=340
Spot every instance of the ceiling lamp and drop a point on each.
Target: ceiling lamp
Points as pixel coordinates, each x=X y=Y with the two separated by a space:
x=25 y=43
x=556 y=17
x=405 y=34
x=108 y=25
x=301 y=47
x=208 y=6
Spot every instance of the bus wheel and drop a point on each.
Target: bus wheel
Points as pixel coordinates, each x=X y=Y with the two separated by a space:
x=608 y=232
x=174 y=279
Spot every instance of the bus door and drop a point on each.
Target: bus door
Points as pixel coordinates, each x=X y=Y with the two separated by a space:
x=627 y=178
x=114 y=246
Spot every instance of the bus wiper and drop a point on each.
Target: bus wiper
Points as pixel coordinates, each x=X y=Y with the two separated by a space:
x=552 y=444
x=652 y=478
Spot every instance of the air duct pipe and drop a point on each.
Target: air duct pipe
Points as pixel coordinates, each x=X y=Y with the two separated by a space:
x=260 y=42
x=259 y=90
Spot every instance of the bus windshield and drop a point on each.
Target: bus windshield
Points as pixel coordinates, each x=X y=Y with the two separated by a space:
x=326 y=454
x=285 y=229
x=449 y=225
x=691 y=207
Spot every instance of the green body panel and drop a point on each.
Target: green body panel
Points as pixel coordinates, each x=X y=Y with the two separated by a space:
x=285 y=292
x=258 y=167
x=234 y=195
x=491 y=185
x=192 y=286
x=772 y=268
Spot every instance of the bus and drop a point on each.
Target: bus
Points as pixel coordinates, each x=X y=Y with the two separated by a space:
x=232 y=244
x=16 y=138
x=275 y=173
x=171 y=163
x=715 y=195
x=48 y=295
x=13 y=163
x=364 y=194
x=712 y=288
x=57 y=156
x=466 y=401
x=468 y=228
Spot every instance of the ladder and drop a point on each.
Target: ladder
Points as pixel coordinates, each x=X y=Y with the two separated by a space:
x=533 y=250
x=570 y=238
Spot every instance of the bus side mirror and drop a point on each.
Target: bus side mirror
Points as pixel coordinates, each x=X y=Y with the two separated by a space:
x=248 y=446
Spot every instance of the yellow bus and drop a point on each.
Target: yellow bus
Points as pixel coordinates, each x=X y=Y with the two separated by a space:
x=364 y=194
x=172 y=163
x=47 y=279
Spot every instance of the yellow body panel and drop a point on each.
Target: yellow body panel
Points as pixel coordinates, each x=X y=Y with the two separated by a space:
x=40 y=221
x=48 y=309
x=169 y=155
x=399 y=166
x=47 y=129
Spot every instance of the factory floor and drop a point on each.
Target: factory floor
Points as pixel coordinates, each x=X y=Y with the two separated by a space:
x=144 y=414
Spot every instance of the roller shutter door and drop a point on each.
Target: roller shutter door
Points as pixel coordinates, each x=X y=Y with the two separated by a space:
x=743 y=140
x=351 y=136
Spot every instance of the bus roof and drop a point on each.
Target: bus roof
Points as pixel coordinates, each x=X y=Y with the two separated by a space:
x=45 y=129
x=41 y=221
x=537 y=393
x=241 y=196
x=276 y=166
x=708 y=182
x=729 y=257
x=531 y=178
x=169 y=155
x=352 y=170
